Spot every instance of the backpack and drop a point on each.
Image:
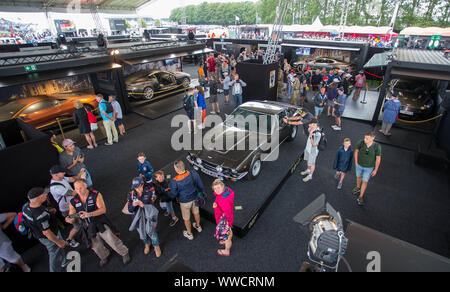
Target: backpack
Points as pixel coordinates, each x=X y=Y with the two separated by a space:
x=21 y=224
x=51 y=202
x=323 y=142
x=187 y=103
x=109 y=107
x=201 y=199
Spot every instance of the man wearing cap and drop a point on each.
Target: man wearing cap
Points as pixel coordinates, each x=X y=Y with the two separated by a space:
x=311 y=150
x=62 y=192
x=72 y=159
x=141 y=199
x=91 y=209
x=296 y=93
x=320 y=100
x=332 y=94
x=339 y=107
x=44 y=228
x=346 y=83
x=226 y=87
x=360 y=81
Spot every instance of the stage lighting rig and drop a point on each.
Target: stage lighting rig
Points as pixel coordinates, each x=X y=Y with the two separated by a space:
x=327 y=244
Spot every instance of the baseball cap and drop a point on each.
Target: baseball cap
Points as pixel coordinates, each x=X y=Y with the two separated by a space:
x=348 y=75
x=137 y=182
x=57 y=169
x=341 y=88
x=67 y=142
x=341 y=71
x=36 y=192
x=361 y=71
x=336 y=80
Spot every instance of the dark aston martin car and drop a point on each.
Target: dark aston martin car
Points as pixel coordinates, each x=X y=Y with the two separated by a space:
x=148 y=84
x=416 y=98
x=243 y=158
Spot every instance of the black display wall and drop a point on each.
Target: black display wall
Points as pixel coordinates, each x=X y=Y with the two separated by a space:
x=25 y=163
x=111 y=82
x=261 y=80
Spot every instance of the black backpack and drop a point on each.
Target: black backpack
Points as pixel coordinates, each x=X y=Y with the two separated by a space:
x=187 y=103
x=323 y=140
x=109 y=107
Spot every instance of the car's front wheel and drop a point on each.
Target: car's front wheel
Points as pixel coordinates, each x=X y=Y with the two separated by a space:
x=255 y=168
x=148 y=93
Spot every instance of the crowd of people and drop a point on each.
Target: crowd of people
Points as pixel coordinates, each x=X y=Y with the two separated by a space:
x=71 y=197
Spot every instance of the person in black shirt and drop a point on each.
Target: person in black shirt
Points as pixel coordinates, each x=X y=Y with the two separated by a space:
x=44 y=228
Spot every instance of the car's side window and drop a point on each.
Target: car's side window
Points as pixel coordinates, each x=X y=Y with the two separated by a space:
x=41 y=105
x=281 y=116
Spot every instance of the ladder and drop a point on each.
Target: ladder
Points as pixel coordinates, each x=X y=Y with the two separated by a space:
x=277 y=29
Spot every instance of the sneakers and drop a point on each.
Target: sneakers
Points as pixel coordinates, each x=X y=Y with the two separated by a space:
x=307 y=178
x=126 y=259
x=305 y=172
x=108 y=144
x=73 y=243
x=356 y=191
x=187 y=235
x=360 y=201
x=173 y=222
x=339 y=187
x=90 y=147
x=336 y=128
x=199 y=228
x=213 y=112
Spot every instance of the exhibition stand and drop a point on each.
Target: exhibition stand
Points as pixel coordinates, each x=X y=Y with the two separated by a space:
x=261 y=80
x=253 y=196
x=370 y=250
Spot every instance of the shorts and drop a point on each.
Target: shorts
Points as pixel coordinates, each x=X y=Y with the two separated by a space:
x=226 y=92
x=186 y=209
x=364 y=172
x=118 y=122
x=318 y=111
x=190 y=115
x=338 y=113
x=310 y=159
x=77 y=224
x=315 y=87
x=213 y=98
x=8 y=254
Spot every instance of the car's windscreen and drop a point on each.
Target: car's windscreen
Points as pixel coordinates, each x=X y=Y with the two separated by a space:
x=250 y=121
x=8 y=110
x=417 y=87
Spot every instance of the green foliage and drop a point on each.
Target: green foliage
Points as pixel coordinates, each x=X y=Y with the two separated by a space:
x=143 y=23
x=360 y=12
x=158 y=22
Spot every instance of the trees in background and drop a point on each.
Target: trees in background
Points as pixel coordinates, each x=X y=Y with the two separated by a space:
x=361 y=12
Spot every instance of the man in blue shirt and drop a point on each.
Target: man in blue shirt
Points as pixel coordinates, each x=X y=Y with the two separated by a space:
x=107 y=113
x=339 y=107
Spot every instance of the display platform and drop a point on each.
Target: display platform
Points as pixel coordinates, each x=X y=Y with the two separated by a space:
x=354 y=109
x=129 y=121
x=395 y=255
x=159 y=107
x=253 y=196
x=405 y=139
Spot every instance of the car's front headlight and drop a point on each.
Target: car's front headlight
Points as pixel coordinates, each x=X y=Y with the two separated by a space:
x=219 y=168
x=199 y=161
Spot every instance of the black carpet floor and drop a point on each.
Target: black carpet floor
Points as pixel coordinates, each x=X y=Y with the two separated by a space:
x=404 y=201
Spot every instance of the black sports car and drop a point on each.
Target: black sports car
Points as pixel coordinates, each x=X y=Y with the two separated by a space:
x=147 y=84
x=416 y=97
x=243 y=157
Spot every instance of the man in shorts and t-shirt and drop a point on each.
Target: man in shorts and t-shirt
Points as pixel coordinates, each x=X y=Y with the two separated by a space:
x=367 y=160
x=62 y=192
x=186 y=186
